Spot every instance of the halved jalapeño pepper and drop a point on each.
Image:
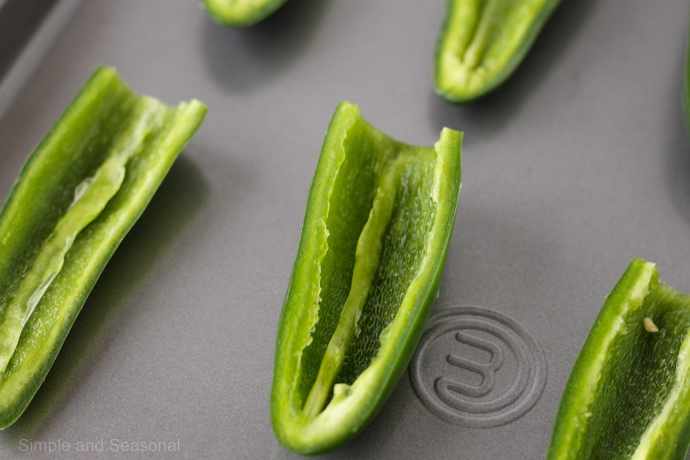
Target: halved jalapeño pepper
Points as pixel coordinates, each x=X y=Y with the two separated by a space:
x=374 y=241
x=483 y=41
x=628 y=395
x=241 y=13
x=76 y=197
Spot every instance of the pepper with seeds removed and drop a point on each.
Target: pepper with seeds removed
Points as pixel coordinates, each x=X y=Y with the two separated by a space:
x=374 y=241
x=76 y=198
x=483 y=41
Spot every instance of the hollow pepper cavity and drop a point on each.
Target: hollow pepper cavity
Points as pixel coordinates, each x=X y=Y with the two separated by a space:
x=76 y=198
x=375 y=236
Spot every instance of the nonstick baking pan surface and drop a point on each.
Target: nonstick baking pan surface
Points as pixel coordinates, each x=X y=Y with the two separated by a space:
x=577 y=164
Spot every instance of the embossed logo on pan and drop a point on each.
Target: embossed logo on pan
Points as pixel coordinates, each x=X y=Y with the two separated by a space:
x=477 y=367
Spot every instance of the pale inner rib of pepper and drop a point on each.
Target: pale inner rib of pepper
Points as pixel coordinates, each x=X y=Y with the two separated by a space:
x=90 y=198
x=486 y=17
x=367 y=258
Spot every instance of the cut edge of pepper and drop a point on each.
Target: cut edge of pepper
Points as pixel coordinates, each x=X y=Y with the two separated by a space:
x=320 y=193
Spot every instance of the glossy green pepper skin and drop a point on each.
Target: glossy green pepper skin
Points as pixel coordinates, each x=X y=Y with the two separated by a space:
x=76 y=198
x=628 y=394
x=375 y=236
x=483 y=41
x=241 y=13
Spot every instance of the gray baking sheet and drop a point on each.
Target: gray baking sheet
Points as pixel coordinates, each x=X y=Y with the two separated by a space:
x=577 y=164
